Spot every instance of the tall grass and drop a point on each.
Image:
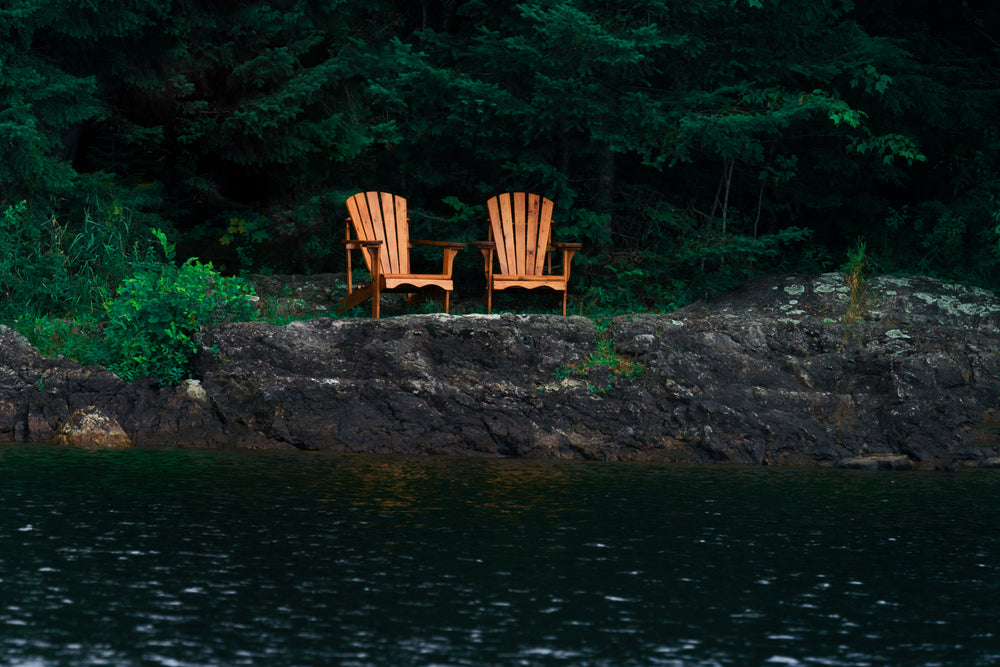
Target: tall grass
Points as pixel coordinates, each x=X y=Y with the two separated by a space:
x=856 y=271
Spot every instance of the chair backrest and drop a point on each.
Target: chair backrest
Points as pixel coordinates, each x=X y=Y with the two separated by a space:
x=520 y=224
x=381 y=216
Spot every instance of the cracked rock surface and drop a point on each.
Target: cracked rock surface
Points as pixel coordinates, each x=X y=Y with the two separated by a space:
x=769 y=374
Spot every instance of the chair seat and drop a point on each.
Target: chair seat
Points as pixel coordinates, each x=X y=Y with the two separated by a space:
x=501 y=280
x=392 y=281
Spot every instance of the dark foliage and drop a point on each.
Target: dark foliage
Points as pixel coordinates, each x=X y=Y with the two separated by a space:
x=688 y=145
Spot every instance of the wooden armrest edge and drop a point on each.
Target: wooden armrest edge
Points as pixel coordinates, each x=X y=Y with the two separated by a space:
x=445 y=244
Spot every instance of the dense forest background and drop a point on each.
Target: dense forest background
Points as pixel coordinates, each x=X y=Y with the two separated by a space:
x=688 y=145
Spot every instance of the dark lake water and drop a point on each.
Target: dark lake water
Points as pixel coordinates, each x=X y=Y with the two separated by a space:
x=183 y=558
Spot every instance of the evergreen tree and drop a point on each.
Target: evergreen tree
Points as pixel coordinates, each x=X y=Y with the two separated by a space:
x=688 y=145
x=39 y=101
x=250 y=122
x=65 y=235
x=692 y=133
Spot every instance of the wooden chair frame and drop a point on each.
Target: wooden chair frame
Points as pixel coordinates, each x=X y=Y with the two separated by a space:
x=378 y=226
x=520 y=228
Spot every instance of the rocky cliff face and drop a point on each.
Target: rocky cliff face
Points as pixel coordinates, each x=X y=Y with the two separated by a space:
x=769 y=374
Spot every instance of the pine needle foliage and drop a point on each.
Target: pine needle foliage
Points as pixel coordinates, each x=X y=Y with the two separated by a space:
x=692 y=144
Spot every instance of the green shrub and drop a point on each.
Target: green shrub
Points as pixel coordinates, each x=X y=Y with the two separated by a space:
x=156 y=313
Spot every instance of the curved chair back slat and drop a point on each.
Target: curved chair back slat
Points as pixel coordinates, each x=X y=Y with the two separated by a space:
x=381 y=216
x=521 y=226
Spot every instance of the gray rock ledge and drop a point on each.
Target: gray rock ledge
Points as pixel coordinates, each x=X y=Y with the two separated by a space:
x=770 y=374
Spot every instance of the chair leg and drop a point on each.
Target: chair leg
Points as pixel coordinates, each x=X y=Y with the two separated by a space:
x=565 y=295
x=446 y=294
x=376 y=274
x=355 y=298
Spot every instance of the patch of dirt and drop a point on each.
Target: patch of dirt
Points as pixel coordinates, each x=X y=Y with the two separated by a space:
x=291 y=295
x=301 y=296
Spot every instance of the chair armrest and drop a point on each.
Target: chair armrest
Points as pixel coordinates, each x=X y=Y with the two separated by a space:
x=487 y=248
x=568 y=250
x=443 y=244
x=371 y=247
x=448 y=249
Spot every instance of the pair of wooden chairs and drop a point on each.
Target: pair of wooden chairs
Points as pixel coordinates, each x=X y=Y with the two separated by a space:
x=519 y=238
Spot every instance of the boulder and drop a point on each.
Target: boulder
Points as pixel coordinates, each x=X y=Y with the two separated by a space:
x=877 y=462
x=90 y=427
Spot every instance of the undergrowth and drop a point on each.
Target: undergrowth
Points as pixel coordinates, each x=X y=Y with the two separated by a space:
x=147 y=327
x=108 y=290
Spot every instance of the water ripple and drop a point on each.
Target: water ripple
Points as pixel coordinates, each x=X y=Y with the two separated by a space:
x=242 y=558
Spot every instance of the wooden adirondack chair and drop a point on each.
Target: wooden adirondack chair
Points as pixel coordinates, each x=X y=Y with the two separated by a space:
x=381 y=231
x=520 y=231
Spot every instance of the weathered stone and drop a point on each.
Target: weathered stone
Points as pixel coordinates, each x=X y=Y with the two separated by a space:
x=877 y=462
x=90 y=427
x=768 y=374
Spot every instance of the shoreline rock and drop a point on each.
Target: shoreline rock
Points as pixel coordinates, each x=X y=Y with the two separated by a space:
x=769 y=374
x=90 y=427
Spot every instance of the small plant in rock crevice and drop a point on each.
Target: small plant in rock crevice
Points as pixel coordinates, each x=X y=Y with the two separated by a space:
x=856 y=271
x=605 y=354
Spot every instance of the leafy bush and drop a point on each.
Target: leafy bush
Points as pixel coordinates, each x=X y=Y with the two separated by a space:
x=156 y=313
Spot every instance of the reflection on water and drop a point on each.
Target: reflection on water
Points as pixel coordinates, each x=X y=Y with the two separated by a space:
x=248 y=558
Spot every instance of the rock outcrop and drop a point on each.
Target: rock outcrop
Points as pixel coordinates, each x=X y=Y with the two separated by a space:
x=90 y=427
x=770 y=374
